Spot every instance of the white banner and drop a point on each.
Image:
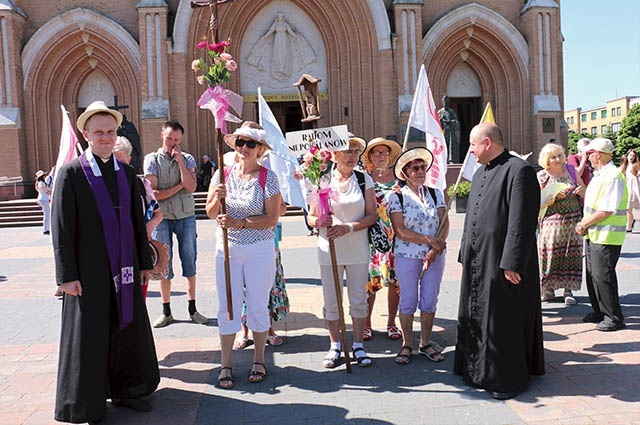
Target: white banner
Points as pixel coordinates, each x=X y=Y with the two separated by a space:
x=334 y=138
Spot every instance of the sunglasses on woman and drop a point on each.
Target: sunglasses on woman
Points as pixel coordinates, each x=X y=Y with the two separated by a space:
x=416 y=168
x=251 y=144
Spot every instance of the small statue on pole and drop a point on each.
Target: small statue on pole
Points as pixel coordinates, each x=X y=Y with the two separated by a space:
x=451 y=129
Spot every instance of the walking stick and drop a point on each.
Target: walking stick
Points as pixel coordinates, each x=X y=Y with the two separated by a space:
x=337 y=284
x=213 y=27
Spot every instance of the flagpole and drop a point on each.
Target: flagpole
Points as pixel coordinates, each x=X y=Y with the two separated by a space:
x=213 y=27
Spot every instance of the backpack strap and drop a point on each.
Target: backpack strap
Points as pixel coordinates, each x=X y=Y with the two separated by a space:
x=572 y=172
x=432 y=192
x=361 y=182
x=262 y=177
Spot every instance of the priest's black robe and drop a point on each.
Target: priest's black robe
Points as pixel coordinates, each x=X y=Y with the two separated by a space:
x=499 y=341
x=97 y=360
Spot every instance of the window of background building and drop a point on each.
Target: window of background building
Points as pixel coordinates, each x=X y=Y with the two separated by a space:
x=594 y=115
x=603 y=113
x=615 y=127
x=613 y=112
x=603 y=130
x=584 y=130
x=583 y=117
x=594 y=130
x=618 y=111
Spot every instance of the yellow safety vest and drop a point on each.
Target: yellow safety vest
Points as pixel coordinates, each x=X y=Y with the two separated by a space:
x=610 y=231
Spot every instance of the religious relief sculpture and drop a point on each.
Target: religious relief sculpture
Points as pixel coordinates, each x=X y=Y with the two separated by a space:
x=451 y=129
x=281 y=51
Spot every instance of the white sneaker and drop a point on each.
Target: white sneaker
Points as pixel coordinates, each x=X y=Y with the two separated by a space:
x=163 y=321
x=568 y=298
x=199 y=318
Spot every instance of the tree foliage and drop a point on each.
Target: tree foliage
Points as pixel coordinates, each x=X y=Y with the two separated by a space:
x=629 y=134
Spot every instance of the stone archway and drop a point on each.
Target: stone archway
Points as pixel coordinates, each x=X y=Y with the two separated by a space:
x=496 y=52
x=56 y=62
x=354 y=76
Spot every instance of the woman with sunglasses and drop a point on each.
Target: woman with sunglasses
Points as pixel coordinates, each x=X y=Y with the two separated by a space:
x=253 y=200
x=377 y=159
x=416 y=213
x=347 y=226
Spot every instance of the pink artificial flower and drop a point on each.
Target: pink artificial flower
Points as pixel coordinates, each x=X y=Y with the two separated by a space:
x=226 y=56
x=324 y=155
x=217 y=61
x=232 y=65
x=323 y=167
x=313 y=149
x=213 y=46
x=200 y=79
x=308 y=157
x=329 y=155
x=220 y=46
x=297 y=175
x=202 y=44
x=195 y=65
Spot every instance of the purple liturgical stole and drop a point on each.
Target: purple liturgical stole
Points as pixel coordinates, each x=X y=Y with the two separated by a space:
x=118 y=234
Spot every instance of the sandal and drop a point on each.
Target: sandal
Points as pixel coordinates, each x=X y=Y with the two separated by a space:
x=367 y=334
x=404 y=358
x=434 y=355
x=274 y=340
x=240 y=343
x=256 y=376
x=362 y=360
x=393 y=333
x=226 y=382
x=331 y=359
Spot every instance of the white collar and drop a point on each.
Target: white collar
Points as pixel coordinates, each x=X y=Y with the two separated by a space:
x=94 y=165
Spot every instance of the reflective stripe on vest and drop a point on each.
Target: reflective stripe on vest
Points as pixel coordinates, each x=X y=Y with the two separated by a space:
x=610 y=231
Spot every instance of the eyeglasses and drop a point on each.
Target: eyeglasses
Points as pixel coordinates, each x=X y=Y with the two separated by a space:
x=249 y=143
x=416 y=168
x=379 y=153
x=352 y=151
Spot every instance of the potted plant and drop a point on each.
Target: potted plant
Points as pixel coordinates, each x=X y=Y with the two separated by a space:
x=461 y=194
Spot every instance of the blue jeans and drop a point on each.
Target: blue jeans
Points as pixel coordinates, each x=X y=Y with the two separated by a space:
x=185 y=231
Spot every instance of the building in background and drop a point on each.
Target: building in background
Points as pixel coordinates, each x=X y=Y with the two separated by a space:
x=603 y=119
x=136 y=55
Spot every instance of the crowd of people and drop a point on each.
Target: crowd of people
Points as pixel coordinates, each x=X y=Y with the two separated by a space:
x=103 y=218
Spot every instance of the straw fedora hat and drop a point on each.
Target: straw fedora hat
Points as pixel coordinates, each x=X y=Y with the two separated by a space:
x=411 y=155
x=248 y=130
x=94 y=108
x=394 y=151
x=40 y=173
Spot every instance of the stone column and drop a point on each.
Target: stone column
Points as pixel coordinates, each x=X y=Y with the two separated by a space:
x=12 y=155
x=408 y=53
x=542 y=23
x=154 y=51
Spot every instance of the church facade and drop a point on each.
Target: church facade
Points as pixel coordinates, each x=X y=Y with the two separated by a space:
x=137 y=55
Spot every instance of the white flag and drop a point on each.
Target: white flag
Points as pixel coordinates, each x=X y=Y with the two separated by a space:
x=278 y=159
x=424 y=116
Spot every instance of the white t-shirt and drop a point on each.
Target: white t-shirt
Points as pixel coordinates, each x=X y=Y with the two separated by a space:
x=352 y=248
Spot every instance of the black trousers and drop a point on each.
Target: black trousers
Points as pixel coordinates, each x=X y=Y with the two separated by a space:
x=602 y=281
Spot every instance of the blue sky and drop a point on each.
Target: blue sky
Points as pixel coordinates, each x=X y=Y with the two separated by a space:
x=601 y=51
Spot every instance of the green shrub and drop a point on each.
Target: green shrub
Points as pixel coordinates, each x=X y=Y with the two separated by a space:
x=464 y=188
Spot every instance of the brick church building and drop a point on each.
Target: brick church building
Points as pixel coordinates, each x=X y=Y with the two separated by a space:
x=367 y=53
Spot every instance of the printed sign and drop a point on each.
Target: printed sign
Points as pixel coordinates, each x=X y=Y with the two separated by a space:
x=334 y=138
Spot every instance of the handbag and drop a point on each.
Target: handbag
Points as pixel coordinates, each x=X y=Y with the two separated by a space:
x=160 y=258
x=378 y=238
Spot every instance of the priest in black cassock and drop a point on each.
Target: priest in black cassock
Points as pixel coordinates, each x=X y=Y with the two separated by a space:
x=499 y=342
x=101 y=258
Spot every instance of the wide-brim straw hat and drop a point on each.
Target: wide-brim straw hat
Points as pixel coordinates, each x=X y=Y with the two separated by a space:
x=40 y=173
x=248 y=132
x=94 y=108
x=394 y=151
x=353 y=139
x=411 y=155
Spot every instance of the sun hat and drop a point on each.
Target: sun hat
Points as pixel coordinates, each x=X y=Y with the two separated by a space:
x=411 y=155
x=248 y=131
x=599 y=144
x=394 y=151
x=40 y=173
x=94 y=108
